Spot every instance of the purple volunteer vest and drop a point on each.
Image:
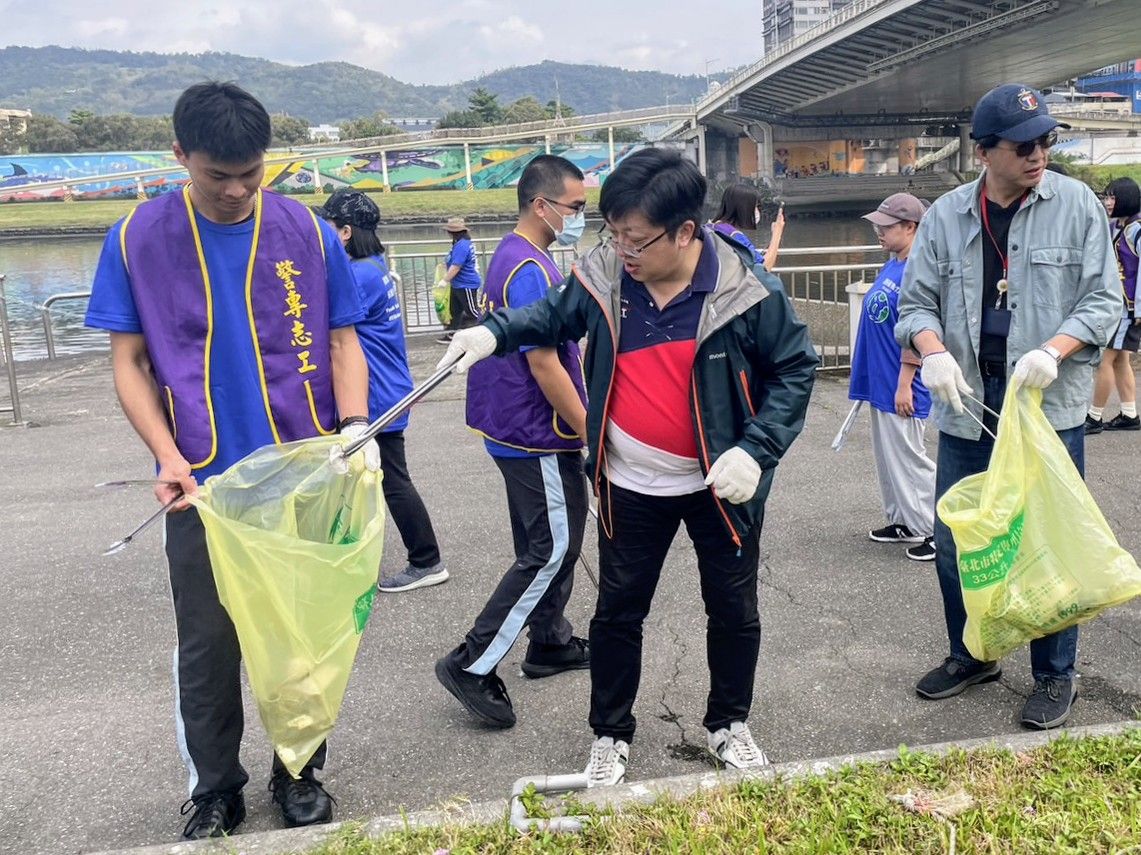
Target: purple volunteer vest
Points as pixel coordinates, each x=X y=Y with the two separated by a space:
x=288 y=306
x=504 y=403
x=1127 y=263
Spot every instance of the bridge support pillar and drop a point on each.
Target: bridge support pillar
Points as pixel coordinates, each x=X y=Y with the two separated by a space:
x=702 y=160
x=610 y=143
x=547 y=142
x=966 y=149
x=467 y=166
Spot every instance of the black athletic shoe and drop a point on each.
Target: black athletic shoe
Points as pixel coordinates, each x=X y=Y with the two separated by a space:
x=895 y=534
x=215 y=815
x=1093 y=425
x=925 y=551
x=544 y=661
x=1123 y=422
x=1049 y=704
x=484 y=696
x=952 y=677
x=303 y=801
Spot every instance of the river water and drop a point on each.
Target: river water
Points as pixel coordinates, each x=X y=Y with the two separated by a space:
x=38 y=268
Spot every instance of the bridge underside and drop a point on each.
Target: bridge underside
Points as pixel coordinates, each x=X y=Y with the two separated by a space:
x=926 y=63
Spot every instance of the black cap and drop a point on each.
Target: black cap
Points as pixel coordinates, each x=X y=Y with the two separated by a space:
x=1013 y=112
x=350 y=207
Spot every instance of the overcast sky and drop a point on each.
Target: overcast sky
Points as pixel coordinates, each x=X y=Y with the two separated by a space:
x=444 y=41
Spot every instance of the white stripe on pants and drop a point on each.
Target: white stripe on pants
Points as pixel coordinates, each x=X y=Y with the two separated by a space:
x=906 y=473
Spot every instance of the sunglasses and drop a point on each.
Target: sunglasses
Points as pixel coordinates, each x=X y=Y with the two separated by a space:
x=1045 y=142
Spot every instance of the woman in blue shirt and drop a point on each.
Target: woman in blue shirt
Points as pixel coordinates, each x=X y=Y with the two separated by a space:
x=462 y=276
x=741 y=211
x=887 y=378
x=355 y=217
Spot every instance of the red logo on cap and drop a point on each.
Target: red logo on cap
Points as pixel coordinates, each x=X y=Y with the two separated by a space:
x=1028 y=100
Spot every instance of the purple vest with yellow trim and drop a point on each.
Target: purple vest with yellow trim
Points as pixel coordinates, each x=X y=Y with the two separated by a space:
x=288 y=306
x=504 y=402
x=1127 y=265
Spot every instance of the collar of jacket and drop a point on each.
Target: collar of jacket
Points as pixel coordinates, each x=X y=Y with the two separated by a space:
x=738 y=288
x=972 y=193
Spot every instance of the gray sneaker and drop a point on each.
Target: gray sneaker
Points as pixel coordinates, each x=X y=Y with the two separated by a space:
x=411 y=578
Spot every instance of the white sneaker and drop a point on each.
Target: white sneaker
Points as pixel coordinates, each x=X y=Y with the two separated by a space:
x=734 y=746
x=607 y=764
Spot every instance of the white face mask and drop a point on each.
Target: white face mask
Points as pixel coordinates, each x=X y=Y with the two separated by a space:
x=756 y=216
x=573 y=227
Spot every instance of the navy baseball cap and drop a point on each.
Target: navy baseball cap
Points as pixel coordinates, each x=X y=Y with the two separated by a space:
x=352 y=207
x=1013 y=112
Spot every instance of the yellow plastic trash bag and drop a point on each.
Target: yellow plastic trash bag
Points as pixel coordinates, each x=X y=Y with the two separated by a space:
x=1035 y=554
x=295 y=548
x=442 y=295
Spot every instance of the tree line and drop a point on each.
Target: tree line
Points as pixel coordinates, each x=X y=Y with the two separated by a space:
x=85 y=131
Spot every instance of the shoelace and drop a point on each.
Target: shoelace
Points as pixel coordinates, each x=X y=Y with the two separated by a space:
x=496 y=682
x=603 y=759
x=296 y=789
x=1052 y=688
x=742 y=744
x=209 y=809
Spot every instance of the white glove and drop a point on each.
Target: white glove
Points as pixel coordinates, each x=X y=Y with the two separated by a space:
x=1036 y=369
x=943 y=377
x=734 y=476
x=369 y=453
x=469 y=347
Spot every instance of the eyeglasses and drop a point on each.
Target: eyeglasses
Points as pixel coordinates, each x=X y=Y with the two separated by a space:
x=577 y=207
x=879 y=230
x=626 y=249
x=1045 y=142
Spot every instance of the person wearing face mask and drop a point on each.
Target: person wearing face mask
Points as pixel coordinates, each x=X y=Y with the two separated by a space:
x=530 y=408
x=740 y=211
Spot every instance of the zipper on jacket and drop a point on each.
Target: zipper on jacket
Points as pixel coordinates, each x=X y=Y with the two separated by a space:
x=705 y=455
x=745 y=389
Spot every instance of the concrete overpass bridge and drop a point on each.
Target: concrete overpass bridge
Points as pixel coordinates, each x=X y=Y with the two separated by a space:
x=897 y=68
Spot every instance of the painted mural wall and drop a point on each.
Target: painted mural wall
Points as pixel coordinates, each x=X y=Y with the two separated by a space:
x=438 y=168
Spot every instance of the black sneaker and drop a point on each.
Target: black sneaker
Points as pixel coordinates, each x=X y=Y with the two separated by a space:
x=215 y=815
x=1093 y=425
x=1049 y=704
x=894 y=534
x=952 y=677
x=544 y=661
x=446 y=338
x=1123 y=422
x=303 y=801
x=484 y=696
x=924 y=551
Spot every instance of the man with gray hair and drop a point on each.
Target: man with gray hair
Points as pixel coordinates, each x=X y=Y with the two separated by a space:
x=1010 y=276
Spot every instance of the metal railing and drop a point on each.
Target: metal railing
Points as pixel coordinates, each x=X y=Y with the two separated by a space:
x=9 y=359
x=819 y=292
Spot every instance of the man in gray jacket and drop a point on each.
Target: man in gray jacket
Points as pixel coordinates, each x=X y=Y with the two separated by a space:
x=1010 y=274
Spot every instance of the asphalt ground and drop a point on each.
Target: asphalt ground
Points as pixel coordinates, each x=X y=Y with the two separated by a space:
x=86 y=701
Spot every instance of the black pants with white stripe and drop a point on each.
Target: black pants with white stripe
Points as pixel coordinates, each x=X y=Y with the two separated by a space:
x=465 y=308
x=630 y=561
x=207 y=664
x=547 y=501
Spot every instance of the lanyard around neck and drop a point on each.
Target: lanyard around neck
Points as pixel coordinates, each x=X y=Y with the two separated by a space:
x=1003 y=257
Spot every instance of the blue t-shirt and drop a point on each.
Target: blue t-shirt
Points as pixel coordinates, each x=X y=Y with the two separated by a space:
x=875 y=364
x=739 y=236
x=463 y=256
x=239 y=410
x=528 y=285
x=381 y=334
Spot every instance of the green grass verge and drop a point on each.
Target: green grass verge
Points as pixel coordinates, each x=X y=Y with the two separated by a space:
x=412 y=205
x=1072 y=796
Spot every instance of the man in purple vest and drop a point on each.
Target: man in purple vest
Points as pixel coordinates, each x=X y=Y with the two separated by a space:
x=231 y=313
x=529 y=406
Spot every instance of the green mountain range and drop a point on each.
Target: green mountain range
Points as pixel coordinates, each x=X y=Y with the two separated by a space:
x=57 y=80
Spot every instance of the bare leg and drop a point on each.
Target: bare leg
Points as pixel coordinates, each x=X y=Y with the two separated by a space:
x=1103 y=380
x=1123 y=376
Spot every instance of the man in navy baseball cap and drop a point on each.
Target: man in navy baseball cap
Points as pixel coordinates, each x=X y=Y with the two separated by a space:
x=1012 y=112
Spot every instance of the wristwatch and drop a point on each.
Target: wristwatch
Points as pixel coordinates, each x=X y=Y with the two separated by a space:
x=1054 y=352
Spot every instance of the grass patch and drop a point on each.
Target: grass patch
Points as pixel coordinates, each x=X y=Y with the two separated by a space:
x=1072 y=796
x=412 y=205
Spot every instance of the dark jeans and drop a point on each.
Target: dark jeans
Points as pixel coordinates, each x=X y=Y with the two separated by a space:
x=207 y=663
x=404 y=503
x=630 y=562
x=1052 y=656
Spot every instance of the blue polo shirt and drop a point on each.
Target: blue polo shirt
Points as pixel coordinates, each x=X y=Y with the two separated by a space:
x=651 y=447
x=239 y=411
x=381 y=334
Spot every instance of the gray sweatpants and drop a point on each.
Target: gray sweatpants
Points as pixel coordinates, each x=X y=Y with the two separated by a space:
x=906 y=473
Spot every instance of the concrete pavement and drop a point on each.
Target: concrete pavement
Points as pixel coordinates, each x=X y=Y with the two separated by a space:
x=86 y=702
